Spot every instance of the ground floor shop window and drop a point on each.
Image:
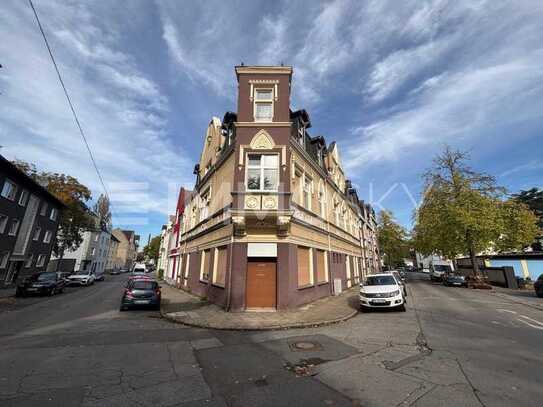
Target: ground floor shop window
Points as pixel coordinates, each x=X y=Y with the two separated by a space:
x=305 y=267
x=219 y=269
x=204 y=265
x=322 y=267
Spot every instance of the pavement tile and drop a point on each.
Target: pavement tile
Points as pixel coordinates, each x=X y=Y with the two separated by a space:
x=206 y=343
x=323 y=311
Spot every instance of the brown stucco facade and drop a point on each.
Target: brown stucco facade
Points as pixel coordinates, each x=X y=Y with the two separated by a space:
x=273 y=221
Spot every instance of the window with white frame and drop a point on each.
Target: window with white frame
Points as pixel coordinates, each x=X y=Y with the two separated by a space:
x=263 y=105
x=96 y=237
x=9 y=190
x=3 y=223
x=54 y=214
x=204 y=265
x=37 y=233
x=308 y=186
x=28 y=262
x=23 y=199
x=14 y=227
x=204 y=205
x=47 y=237
x=322 y=201
x=93 y=251
x=43 y=211
x=41 y=260
x=301 y=135
x=262 y=172
x=4 y=257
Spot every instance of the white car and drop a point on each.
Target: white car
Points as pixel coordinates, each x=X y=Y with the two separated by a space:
x=381 y=291
x=84 y=277
x=139 y=268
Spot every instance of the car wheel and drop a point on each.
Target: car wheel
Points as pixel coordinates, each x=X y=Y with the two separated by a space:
x=401 y=308
x=123 y=308
x=19 y=293
x=52 y=292
x=539 y=294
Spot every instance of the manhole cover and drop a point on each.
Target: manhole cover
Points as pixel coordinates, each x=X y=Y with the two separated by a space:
x=305 y=345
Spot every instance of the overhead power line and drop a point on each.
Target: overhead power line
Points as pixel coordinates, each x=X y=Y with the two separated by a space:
x=69 y=100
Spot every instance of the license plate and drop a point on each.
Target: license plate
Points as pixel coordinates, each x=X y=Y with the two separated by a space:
x=141 y=302
x=457 y=283
x=32 y=289
x=379 y=301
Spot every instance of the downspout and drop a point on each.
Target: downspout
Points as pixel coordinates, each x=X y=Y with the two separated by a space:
x=229 y=287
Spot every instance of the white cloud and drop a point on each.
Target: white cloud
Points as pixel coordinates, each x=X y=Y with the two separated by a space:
x=523 y=168
x=122 y=110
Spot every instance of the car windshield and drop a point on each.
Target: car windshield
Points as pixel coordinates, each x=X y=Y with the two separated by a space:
x=144 y=285
x=441 y=267
x=45 y=276
x=380 y=280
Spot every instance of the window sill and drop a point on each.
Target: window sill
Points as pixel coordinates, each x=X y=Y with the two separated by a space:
x=204 y=281
x=218 y=285
x=323 y=283
x=304 y=287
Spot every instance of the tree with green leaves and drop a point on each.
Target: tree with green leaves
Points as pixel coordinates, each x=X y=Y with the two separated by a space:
x=464 y=211
x=392 y=239
x=75 y=219
x=151 y=250
x=534 y=199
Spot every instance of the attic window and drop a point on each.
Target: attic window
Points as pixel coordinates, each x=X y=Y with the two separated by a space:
x=301 y=134
x=263 y=105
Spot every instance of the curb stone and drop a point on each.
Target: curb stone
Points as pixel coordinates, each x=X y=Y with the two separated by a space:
x=296 y=325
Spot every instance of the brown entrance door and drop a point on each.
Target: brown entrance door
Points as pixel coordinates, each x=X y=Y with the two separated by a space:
x=261 y=284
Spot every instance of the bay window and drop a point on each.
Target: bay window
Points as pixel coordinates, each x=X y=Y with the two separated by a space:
x=262 y=172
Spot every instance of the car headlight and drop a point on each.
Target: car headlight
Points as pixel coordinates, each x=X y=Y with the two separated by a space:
x=394 y=293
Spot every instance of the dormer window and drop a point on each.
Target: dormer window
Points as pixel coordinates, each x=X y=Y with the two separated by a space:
x=263 y=105
x=301 y=134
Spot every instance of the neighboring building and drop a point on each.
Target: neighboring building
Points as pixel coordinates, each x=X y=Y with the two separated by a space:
x=273 y=222
x=29 y=217
x=127 y=247
x=170 y=239
x=113 y=262
x=92 y=253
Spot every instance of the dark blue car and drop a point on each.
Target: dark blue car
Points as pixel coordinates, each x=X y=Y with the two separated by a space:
x=144 y=293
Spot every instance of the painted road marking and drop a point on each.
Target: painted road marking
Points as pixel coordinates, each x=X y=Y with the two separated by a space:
x=533 y=326
x=533 y=320
x=506 y=310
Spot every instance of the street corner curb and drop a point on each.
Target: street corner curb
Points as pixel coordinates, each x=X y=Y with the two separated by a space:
x=274 y=327
x=512 y=299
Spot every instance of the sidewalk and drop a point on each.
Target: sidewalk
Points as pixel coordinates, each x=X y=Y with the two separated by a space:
x=524 y=297
x=182 y=307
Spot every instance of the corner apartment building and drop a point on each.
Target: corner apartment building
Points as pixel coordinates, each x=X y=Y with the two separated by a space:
x=273 y=222
x=29 y=217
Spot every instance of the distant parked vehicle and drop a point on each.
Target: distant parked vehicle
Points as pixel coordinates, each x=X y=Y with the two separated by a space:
x=538 y=286
x=141 y=292
x=115 y=271
x=400 y=280
x=49 y=283
x=99 y=275
x=124 y=270
x=454 y=279
x=438 y=270
x=381 y=291
x=139 y=268
x=84 y=277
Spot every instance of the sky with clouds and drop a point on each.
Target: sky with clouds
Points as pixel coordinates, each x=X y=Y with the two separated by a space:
x=390 y=81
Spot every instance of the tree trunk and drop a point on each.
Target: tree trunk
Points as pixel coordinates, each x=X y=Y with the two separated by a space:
x=474 y=262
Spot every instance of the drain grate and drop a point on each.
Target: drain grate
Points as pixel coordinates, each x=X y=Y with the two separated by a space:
x=301 y=346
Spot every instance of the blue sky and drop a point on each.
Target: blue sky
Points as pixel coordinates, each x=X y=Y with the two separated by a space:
x=390 y=81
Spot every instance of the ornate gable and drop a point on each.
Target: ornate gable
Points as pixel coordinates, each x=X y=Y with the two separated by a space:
x=262 y=141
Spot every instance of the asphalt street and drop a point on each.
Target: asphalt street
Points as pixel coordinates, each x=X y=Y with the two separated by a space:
x=453 y=346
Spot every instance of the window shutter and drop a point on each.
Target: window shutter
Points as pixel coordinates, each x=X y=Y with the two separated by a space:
x=304 y=277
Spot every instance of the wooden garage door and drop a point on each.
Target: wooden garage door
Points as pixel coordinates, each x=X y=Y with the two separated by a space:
x=261 y=284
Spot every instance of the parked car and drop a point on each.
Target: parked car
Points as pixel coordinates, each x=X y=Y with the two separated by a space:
x=48 y=283
x=84 y=277
x=124 y=270
x=381 y=291
x=401 y=281
x=115 y=271
x=139 y=268
x=454 y=279
x=538 y=286
x=141 y=292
